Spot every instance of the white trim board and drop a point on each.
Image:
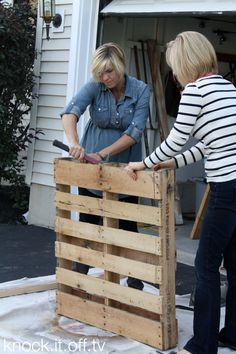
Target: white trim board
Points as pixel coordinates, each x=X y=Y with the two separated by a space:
x=146 y=7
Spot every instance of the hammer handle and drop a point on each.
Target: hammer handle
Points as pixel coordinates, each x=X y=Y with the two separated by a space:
x=65 y=147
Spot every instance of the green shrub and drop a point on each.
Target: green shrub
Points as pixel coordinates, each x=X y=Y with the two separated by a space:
x=17 y=54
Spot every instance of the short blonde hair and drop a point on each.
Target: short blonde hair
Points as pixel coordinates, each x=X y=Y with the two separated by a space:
x=108 y=54
x=191 y=56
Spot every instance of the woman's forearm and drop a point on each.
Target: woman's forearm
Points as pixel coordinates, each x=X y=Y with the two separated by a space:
x=69 y=122
x=123 y=143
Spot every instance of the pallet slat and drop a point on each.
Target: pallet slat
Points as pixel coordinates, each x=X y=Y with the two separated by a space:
x=112 y=291
x=112 y=263
x=107 y=177
x=168 y=261
x=125 y=324
x=121 y=251
x=27 y=289
x=131 y=240
x=108 y=208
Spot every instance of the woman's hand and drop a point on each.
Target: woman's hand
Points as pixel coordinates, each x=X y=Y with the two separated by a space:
x=165 y=164
x=77 y=151
x=95 y=156
x=134 y=166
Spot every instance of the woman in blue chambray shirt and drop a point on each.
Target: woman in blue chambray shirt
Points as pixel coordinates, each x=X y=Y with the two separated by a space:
x=118 y=106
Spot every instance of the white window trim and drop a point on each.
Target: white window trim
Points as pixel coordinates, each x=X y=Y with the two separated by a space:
x=169 y=7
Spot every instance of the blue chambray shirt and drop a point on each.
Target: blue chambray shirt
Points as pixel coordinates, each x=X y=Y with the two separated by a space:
x=111 y=119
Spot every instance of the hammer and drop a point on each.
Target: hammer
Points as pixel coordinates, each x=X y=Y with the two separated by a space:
x=65 y=147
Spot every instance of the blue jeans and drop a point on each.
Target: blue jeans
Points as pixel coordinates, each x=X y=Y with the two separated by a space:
x=217 y=242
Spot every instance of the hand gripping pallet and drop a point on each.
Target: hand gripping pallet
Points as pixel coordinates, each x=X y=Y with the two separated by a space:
x=105 y=303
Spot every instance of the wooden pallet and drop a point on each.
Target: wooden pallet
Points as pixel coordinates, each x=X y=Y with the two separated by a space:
x=105 y=303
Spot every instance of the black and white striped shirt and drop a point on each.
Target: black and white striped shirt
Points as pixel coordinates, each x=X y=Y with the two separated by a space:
x=207 y=111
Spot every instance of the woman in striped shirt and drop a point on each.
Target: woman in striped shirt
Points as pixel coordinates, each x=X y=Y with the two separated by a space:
x=207 y=111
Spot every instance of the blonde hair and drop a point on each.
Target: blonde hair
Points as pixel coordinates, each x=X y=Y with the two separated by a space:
x=191 y=56
x=108 y=54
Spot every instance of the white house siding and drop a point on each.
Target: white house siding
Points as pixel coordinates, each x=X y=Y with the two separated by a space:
x=51 y=97
x=51 y=89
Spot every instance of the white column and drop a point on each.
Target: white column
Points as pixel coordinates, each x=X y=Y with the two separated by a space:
x=83 y=43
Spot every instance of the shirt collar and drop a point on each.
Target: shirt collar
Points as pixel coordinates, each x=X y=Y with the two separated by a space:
x=128 y=87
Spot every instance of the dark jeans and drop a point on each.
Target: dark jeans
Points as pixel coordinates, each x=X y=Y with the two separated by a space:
x=217 y=242
x=123 y=224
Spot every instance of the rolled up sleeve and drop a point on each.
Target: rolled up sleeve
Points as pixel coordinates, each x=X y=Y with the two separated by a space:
x=81 y=100
x=72 y=108
x=134 y=132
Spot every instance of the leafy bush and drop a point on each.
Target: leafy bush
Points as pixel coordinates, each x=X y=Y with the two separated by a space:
x=17 y=54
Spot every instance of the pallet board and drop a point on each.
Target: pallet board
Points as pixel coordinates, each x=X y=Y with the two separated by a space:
x=104 y=302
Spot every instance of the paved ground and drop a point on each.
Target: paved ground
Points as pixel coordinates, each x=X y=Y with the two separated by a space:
x=26 y=251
